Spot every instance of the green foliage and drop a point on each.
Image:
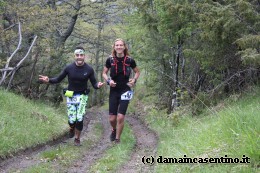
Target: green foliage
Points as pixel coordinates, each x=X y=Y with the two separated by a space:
x=249 y=53
x=2 y=62
x=176 y=19
x=2 y=4
x=224 y=24
x=52 y=23
x=214 y=39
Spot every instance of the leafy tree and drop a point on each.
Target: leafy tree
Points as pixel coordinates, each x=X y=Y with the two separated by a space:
x=60 y=27
x=198 y=46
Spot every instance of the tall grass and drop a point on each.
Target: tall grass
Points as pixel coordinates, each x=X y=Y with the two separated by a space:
x=241 y=125
x=24 y=123
x=233 y=131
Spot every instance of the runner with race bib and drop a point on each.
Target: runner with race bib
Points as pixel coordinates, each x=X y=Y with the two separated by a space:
x=120 y=65
x=78 y=74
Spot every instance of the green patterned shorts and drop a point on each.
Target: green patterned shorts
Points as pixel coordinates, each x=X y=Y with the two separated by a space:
x=76 y=107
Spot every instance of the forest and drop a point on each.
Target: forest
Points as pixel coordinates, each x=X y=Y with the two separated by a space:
x=197 y=95
x=187 y=50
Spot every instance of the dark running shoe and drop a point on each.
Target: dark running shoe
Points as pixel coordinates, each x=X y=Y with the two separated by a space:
x=77 y=142
x=117 y=141
x=72 y=132
x=113 y=135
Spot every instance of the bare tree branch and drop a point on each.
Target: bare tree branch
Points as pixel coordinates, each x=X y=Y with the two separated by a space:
x=10 y=58
x=18 y=65
x=6 y=69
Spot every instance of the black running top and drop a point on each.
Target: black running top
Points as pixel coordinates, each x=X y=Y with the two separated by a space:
x=120 y=79
x=78 y=77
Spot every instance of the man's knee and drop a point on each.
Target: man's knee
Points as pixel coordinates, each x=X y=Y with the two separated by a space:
x=79 y=125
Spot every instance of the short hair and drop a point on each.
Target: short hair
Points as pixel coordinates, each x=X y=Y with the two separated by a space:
x=79 y=47
x=79 y=50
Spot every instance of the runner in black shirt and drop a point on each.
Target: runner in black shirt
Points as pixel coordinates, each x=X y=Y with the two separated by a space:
x=78 y=74
x=78 y=77
x=120 y=65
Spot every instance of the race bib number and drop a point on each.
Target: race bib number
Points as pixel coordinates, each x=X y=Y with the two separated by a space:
x=127 y=95
x=74 y=99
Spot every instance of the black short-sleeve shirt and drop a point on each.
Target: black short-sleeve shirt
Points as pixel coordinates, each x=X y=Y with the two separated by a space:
x=120 y=79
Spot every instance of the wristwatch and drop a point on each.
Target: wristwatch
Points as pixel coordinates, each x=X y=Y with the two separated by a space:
x=108 y=81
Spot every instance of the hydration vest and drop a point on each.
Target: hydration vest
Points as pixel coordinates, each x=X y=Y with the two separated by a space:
x=126 y=66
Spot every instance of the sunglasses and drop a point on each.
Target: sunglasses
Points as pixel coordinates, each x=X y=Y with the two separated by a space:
x=77 y=55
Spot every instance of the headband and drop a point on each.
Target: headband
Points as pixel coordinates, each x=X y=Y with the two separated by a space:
x=79 y=51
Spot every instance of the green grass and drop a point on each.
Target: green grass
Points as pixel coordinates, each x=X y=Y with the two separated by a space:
x=117 y=155
x=233 y=131
x=25 y=123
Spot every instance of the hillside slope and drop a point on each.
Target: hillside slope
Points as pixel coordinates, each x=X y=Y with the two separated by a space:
x=25 y=123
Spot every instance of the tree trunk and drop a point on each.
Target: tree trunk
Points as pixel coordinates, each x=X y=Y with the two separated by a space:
x=95 y=98
x=177 y=76
x=29 y=89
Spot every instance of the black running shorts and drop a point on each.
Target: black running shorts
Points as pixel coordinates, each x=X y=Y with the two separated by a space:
x=116 y=105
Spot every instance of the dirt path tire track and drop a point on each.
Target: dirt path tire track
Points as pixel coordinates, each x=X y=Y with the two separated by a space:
x=98 y=150
x=146 y=145
x=29 y=157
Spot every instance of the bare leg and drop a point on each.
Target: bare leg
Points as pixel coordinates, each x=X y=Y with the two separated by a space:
x=112 y=120
x=77 y=133
x=120 y=125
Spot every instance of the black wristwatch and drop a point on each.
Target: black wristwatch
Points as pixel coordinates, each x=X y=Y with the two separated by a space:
x=135 y=80
x=108 y=81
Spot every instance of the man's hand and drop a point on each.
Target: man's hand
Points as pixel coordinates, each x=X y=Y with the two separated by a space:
x=44 y=79
x=100 y=84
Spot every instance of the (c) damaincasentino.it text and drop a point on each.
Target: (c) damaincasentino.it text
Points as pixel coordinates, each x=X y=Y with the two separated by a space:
x=185 y=159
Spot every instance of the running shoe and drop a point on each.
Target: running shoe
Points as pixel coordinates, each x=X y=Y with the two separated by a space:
x=113 y=135
x=71 y=132
x=77 y=142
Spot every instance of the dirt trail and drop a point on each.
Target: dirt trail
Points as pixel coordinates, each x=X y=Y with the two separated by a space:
x=146 y=146
x=29 y=157
x=98 y=150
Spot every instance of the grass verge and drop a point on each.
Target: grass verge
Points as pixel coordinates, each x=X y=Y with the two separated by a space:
x=233 y=132
x=24 y=123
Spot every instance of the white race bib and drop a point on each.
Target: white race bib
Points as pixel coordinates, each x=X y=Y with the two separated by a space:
x=73 y=100
x=127 y=95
